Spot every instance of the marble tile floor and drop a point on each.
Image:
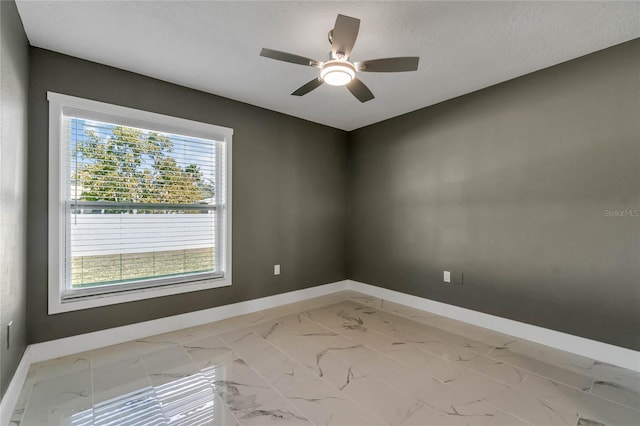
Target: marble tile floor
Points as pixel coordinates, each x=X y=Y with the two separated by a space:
x=342 y=359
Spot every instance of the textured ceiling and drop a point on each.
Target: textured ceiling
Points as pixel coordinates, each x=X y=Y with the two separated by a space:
x=214 y=46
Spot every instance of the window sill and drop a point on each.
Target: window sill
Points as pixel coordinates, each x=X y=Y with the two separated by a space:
x=56 y=305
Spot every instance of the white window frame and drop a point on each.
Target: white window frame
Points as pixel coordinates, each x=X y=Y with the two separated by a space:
x=100 y=111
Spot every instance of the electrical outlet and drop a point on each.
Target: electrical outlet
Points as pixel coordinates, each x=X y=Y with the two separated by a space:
x=276 y=269
x=447 y=277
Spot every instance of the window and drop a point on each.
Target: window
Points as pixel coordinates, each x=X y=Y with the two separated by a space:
x=139 y=204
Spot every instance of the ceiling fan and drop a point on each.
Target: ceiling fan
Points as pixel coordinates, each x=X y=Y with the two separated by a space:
x=338 y=70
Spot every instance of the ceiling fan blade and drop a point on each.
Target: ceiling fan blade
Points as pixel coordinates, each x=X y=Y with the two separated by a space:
x=359 y=90
x=344 y=36
x=306 y=88
x=289 y=57
x=407 y=63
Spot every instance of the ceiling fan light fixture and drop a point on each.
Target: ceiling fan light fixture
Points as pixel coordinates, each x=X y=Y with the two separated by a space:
x=337 y=73
x=339 y=70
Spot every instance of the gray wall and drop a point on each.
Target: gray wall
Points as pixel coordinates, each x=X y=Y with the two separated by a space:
x=289 y=194
x=14 y=70
x=510 y=186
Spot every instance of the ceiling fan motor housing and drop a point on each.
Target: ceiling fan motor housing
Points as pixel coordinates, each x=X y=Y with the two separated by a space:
x=337 y=72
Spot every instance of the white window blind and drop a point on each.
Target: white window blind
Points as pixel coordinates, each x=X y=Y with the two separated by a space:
x=143 y=206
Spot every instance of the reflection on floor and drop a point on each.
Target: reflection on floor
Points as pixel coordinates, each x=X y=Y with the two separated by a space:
x=343 y=359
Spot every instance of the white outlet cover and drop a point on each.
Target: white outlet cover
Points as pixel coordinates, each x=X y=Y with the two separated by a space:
x=276 y=269
x=447 y=276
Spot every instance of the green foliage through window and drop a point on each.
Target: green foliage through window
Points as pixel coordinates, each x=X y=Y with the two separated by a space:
x=133 y=166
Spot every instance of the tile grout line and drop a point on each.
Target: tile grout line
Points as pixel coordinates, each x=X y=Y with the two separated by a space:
x=519 y=386
x=509 y=413
x=348 y=361
x=521 y=390
x=529 y=372
x=524 y=379
x=368 y=347
x=254 y=322
x=411 y=366
x=403 y=363
x=502 y=361
x=264 y=378
x=495 y=347
x=492 y=379
x=547 y=399
x=426 y=334
x=381 y=332
x=342 y=357
x=611 y=400
x=551 y=351
x=212 y=388
x=148 y=377
x=314 y=375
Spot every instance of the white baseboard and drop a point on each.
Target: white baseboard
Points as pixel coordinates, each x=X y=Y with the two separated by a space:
x=615 y=355
x=12 y=394
x=112 y=336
